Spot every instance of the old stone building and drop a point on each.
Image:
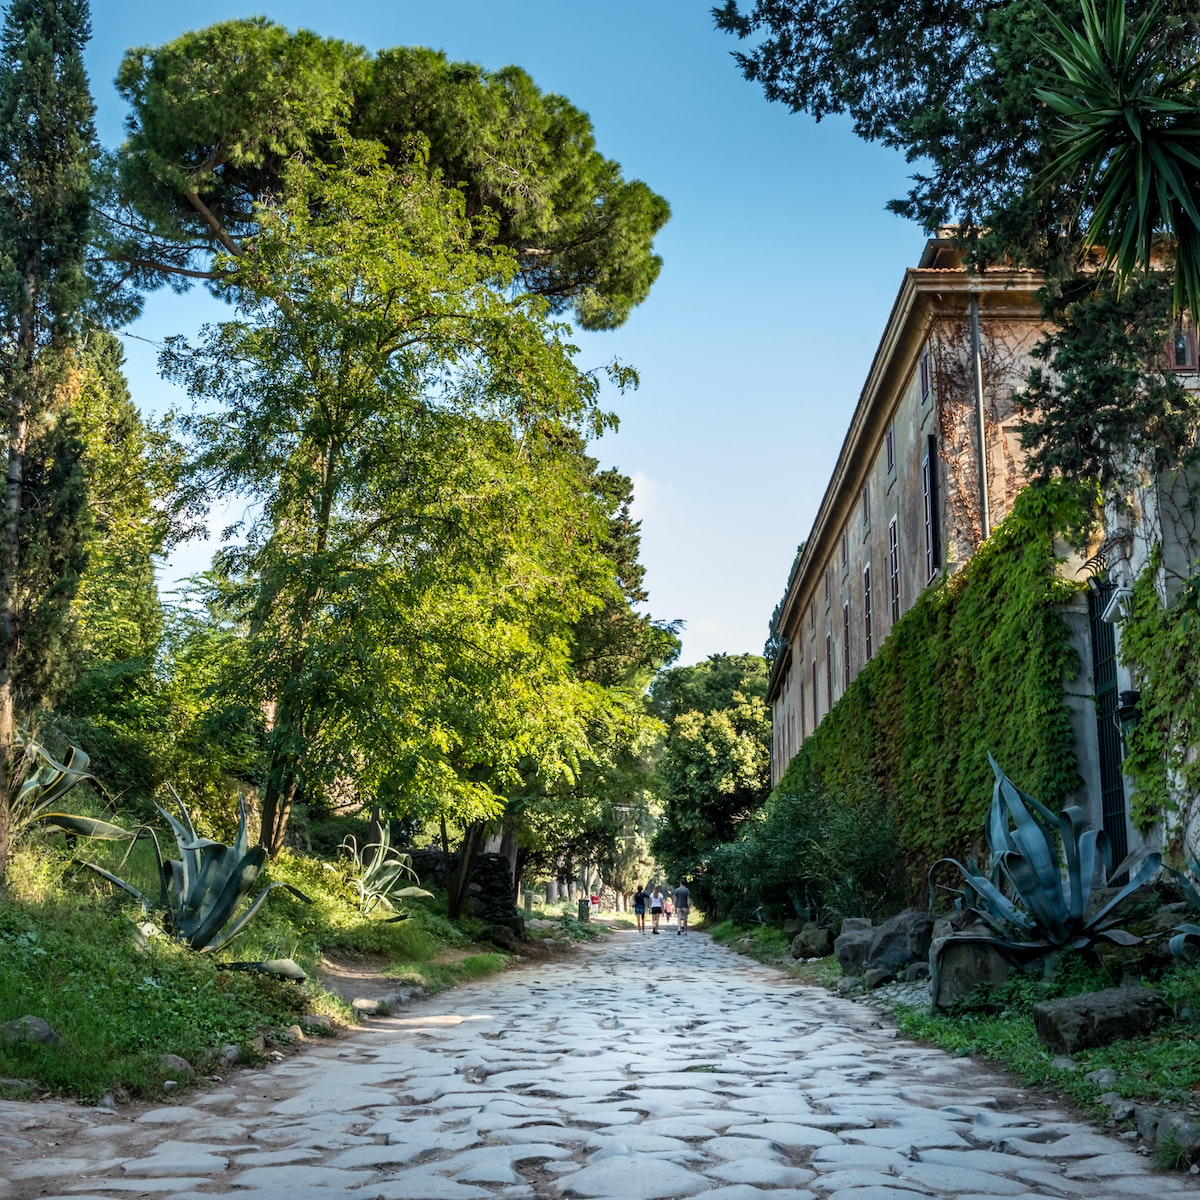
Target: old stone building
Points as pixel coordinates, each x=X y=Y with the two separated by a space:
x=914 y=491
x=907 y=500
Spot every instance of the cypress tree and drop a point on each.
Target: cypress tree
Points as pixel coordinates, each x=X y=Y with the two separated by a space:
x=47 y=144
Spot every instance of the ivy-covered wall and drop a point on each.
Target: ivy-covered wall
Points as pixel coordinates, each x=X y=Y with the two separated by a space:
x=1159 y=642
x=978 y=664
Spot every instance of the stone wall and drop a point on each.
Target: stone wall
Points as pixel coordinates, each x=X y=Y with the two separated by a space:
x=491 y=893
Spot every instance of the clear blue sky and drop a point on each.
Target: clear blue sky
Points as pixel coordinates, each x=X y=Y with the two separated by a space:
x=780 y=267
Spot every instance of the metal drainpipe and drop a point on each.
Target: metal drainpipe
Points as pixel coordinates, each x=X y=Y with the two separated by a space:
x=984 y=511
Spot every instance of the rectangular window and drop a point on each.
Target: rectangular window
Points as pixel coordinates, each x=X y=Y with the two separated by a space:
x=803 y=714
x=828 y=670
x=867 y=631
x=812 y=617
x=1181 y=349
x=933 y=548
x=889 y=448
x=826 y=587
x=925 y=385
x=894 y=569
x=845 y=646
x=845 y=550
x=816 y=714
x=866 y=505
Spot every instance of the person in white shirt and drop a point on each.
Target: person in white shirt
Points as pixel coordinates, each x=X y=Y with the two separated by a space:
x=656 y=907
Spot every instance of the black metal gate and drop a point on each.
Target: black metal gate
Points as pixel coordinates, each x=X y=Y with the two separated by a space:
x=1108 y=735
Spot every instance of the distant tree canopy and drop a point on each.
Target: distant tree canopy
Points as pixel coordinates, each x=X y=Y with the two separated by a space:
x=715 y=766
x=216 y=114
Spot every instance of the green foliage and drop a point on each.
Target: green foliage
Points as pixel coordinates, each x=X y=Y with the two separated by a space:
x=714 y=768
x=1160 y=1070
x=1128 y=125
x=118 y=1008
x=979 y=661
x=809 y=853
x=216 y=114
x=1159 y=641
x=46 y=151
x=1039 y=907
x=1106 y=407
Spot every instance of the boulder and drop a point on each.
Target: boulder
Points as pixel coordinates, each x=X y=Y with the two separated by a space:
x=960 y=965
x=813 y=941
x=502 y=936
x=852 y=944
x=873 y=978
x=31 y=1030
x=177 y=1066
x=1097 y=1018
x=791 y=927
x=1148 y=956
x=900 y=940
x=516 y=923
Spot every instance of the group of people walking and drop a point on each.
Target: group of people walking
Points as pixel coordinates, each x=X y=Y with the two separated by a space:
x=662 y=904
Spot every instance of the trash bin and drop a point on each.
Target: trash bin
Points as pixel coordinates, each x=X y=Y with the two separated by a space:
x=585 y=908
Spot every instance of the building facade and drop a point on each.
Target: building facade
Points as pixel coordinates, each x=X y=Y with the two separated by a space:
x=911 y=495
x=915 y=490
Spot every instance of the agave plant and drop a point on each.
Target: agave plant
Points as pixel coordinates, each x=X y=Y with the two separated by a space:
x=1185 y=945
x=1048 y=908
x=376 y=870
x=47 y=781
x=202 y=890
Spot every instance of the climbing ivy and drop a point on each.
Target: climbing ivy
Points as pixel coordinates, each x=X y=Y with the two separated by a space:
x=1159 y=641
x=978 y=664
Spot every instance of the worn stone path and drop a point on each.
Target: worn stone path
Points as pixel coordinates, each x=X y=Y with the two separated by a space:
x=642 y=1068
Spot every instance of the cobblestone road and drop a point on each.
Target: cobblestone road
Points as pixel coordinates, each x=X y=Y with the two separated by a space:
x=643 y=1067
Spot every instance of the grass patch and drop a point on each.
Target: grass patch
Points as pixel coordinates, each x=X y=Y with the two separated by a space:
x=1160 y=1069
x=70 y=954
x=437 y=977
x=762 y=942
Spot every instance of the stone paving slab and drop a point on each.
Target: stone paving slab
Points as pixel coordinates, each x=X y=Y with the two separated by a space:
x=578 y=1080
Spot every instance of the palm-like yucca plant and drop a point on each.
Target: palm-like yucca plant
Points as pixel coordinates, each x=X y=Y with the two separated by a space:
x=376 y=870
x=202 y=891
x=1048 y=909
x=1130 y=129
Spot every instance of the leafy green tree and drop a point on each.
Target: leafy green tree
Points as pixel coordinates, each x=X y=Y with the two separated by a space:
x=46 y=150
x=215 y=116
x=116 y=704
x=715 y=766
x=421 y=548
x=599 y=812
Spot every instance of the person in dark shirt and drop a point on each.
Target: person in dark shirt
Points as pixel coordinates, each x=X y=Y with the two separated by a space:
x=683 y=904
x=640 y=898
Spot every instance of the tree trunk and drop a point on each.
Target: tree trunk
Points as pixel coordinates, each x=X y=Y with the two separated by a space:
x=10 y=564
x=458 y=875
x=277 y=808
